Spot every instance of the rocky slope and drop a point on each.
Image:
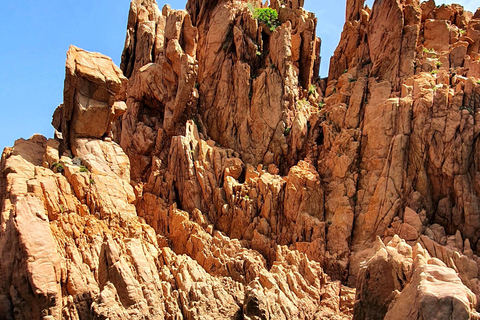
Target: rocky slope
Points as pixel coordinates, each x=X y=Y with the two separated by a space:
x=214 y=176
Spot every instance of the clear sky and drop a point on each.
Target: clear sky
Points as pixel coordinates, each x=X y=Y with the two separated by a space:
x=36 y=36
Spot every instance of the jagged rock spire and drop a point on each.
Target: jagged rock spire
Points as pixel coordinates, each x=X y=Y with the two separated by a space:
x=354 y=9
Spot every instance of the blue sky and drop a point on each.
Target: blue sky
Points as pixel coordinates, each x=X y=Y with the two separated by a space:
x=36 y=36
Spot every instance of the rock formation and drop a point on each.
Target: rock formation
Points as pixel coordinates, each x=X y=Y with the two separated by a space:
x=213 y=175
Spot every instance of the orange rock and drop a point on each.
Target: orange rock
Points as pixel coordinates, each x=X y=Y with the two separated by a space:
x=224 y=180
x=93 y=85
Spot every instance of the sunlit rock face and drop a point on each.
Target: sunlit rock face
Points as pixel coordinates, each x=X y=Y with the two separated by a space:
x=215 y=176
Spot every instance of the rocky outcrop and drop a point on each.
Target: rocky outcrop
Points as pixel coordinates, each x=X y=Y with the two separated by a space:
x=94 y=96
x=401 y=282
x=79 y=241
x=403 y=119
x=74 y=247
x=240 y=81
x=223 y=180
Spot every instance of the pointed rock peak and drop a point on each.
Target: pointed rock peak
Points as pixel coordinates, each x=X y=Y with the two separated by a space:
x=354 y=9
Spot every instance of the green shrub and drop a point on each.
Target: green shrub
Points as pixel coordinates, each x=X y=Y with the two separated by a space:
x=268 y=16
x=434 y=71
x=58 y=166
x=312 y=89
x=429 y=50
x=287 y=132
x=83 y=169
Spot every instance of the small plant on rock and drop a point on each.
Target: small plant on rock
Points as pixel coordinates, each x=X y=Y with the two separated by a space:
x=434 y=71
x=83 y=169
x=58 y=166
x=268 y=16
x=302 y=104
x=466 y=108
x=312 y=89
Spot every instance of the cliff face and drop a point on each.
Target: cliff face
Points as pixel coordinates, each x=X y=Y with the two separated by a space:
x=213 y=175
x=413 y=109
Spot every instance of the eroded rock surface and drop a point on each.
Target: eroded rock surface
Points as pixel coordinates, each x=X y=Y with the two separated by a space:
x=224 y=180
x=94 y=96
x=401 y=282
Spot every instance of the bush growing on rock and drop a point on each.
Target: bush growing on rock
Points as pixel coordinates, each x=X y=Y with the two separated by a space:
x=58 y=167
x=268 y=16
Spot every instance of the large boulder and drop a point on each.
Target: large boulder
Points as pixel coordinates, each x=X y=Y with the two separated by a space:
x=93 y=96
x=401 y=282
x=381 y=277
x=434 y=293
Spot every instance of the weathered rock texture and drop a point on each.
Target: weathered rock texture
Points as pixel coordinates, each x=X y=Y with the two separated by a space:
x=409 y=115
x=224 y=180
x=94 y=96
x=216 y=64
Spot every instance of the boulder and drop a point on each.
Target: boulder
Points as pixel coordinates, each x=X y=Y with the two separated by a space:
x=93 y=96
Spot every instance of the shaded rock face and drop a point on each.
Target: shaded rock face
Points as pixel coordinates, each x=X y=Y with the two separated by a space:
x=223 y=180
